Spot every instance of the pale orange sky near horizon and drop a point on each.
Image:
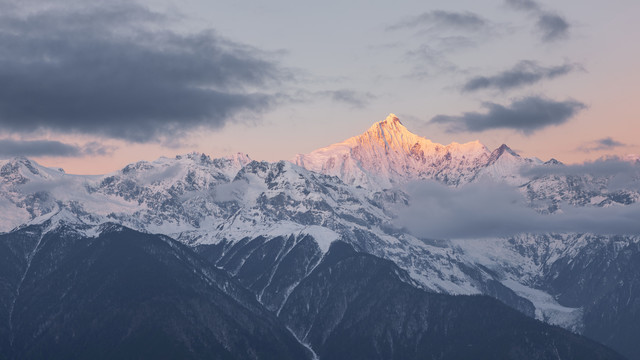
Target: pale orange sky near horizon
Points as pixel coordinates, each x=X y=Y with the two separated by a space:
x=364 y=66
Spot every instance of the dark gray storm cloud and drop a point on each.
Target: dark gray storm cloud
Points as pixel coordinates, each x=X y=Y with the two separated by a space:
x=606 y=143
x=444 y=20
x=609 y=143
x=10 y=147
x=550 y=25
x=353 y=98
x=526 y=115
x=115 y=69
x=491 y=210
x=52 y=148
x=528 y=5
x=523 y=73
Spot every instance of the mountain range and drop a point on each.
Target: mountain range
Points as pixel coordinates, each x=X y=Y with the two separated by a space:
x=330 y=255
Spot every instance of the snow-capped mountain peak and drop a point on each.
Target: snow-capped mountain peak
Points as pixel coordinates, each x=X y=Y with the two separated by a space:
x=389 y=130
x=388 y=154
x=503 y=149
x=389 y=133
x=20 y=170
x=505 y=164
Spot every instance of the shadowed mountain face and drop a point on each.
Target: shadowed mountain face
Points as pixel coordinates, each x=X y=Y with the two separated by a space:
x=72 y=291
x=271 y=268
x=608 y=284
x=357 y=306
x=125 y=294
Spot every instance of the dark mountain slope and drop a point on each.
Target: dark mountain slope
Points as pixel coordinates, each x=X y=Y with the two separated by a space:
x=270 y=268
x=125 y=294
x=357 y=306
x=605 y=281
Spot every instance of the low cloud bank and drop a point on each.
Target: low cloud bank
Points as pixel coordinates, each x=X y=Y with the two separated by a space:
x=492 y=210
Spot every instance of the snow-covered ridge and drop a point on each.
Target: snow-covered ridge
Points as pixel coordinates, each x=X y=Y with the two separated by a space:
x=29 y=190
x=349 y=191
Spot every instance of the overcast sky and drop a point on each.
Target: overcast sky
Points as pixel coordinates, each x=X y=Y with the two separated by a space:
x=92 y=87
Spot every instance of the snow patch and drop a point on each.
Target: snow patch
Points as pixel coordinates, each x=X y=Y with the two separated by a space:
x=323 y=236
x=547 y=308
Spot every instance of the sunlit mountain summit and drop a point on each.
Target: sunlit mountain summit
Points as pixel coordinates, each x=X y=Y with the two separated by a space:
x=388 y=154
